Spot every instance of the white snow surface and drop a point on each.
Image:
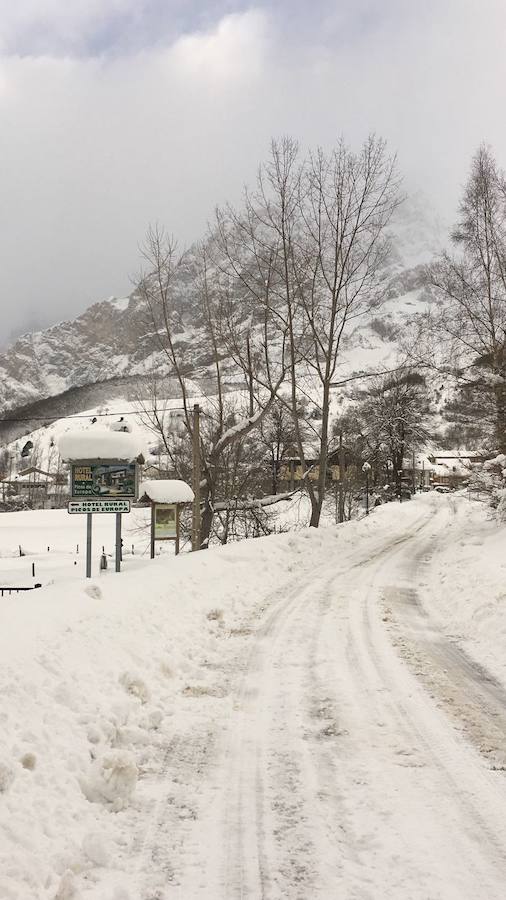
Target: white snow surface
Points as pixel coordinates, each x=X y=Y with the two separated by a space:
x=97 y=442
x=166 y=490
x=288 y=717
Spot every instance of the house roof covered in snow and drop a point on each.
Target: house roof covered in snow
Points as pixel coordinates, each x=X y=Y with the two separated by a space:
x=166 y=491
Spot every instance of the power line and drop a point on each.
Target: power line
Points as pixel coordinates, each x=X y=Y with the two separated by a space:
x=89 y=416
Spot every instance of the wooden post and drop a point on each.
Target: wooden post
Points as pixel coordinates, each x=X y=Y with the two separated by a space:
x=177 y=529
x=118 y=542
x=88 y=544
x=196 y=479
x=152 y=530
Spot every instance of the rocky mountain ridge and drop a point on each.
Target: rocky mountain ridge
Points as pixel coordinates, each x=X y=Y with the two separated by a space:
x=112 y=343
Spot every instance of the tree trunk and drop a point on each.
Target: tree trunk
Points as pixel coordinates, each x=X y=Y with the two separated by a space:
x=500 y=416
x=397 y=460
x=206 y=524
x=274 y=482
x=315 y=510
x=342 y=461
x=317 y=501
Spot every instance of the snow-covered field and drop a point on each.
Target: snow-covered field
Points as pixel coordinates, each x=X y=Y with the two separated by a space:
x=314 y=714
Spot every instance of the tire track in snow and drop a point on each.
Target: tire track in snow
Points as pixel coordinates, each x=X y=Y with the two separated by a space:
x=259 y=818
x=473 y=699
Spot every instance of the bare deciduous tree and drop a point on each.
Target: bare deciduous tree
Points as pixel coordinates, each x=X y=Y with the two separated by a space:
x=324 y=219
x=225 y=422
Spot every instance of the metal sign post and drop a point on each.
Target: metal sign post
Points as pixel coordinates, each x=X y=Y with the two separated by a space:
x=118 y=542
x=102 y=486
x=88 y=544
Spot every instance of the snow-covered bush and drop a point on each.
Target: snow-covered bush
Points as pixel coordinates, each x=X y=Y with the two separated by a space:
x=14 y=503
x=490 y=478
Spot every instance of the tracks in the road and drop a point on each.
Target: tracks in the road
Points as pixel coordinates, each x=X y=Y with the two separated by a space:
x=268 y=842
x=471 y=697
x=338 y=753
x=290 y=831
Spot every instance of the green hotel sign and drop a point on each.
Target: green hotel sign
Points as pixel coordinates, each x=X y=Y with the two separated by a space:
x=105 y=480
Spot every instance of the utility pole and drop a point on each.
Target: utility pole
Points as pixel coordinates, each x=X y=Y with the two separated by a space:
x=366 y=468
x=341 y=478
x=414 y=473
x=196 y=478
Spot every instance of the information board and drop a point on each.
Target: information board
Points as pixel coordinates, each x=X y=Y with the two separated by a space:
x=165 y=521
x=107 y=480
x=98 y=506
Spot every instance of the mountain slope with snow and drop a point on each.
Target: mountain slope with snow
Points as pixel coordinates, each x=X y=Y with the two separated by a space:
x=114 y=339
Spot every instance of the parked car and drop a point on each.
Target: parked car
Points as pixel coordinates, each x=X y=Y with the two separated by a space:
x=441 y=488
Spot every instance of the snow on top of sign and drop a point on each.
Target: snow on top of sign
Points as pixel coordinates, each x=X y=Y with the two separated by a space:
x=166 y=491
x=100 y=443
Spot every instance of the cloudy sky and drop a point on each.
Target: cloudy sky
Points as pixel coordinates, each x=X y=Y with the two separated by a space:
x=118 y=113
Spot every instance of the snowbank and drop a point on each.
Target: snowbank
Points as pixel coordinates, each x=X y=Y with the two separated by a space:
x=464 y=587
x=166 y=491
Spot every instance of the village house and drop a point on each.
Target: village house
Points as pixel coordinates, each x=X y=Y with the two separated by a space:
x=39 y=488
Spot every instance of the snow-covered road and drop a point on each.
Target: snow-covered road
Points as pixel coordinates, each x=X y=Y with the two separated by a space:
x=354 y=761
x=310 y=715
